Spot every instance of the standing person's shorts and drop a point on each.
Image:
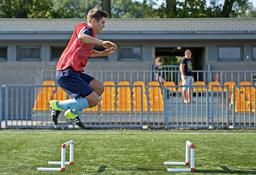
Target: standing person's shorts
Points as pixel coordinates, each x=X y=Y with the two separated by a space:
x=187 y=83
x=76 y=84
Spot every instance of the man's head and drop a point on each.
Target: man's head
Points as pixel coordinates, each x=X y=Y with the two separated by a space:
x=188 y=54
x=158 y=61
x=96 y=18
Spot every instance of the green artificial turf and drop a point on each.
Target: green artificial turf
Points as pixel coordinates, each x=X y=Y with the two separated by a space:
x=123 y=152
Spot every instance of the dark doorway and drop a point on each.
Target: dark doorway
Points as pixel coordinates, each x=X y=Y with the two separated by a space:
x=198 y=56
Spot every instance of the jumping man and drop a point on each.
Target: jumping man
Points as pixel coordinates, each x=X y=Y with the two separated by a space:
x=84 y=89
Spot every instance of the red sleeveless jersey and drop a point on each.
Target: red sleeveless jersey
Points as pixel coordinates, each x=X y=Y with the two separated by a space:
x=76 y=53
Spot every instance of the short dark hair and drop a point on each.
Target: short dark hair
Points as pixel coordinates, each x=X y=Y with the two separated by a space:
x=96 y=13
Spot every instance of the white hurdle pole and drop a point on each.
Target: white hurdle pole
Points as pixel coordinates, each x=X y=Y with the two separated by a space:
x=63 y=162
x=189 y=160
x=187 y=146
x=192 y=158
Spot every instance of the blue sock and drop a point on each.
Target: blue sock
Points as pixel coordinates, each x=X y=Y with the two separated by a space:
x=74 y=103
x=77 y=111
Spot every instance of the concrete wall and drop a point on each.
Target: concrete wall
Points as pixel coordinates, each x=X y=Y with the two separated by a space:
x=30 y=72
x=27 y=72
x=247 y=64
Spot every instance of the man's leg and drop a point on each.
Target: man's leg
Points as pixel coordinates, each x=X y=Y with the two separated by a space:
x=55 y=111
x=74 y=106
x=189 y=93
x=97 y=87
x=184 y=90
x=190 y=90
x=184 y=95
x=76 y=87
x=73 y=112
x=73 y=115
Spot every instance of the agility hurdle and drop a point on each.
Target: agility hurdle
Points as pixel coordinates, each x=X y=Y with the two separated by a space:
x=189 y=160
x=63 y=162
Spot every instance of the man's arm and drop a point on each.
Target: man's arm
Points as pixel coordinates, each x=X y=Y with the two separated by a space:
x=91 y=40
x=103 y=53
x=182 y=71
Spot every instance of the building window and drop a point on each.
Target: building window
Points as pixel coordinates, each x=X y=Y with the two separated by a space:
x=130 y=53
x=56 y=52
x=254 y=53
x=3 y=53
x=28 y=53
x=230 y=53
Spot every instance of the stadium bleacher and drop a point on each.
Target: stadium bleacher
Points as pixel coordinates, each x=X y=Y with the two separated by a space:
x=125 y=96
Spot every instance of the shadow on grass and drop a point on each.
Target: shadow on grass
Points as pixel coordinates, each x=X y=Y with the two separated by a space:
x=139 y=169
x=102 y=168
x=226 y=170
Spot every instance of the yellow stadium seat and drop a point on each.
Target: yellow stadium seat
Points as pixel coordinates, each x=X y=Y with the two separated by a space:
x=170 y=85
x=139 y=83
x=245 y=87
x=124 y=83
x=109 y=83
x=251 y=94
x=155 y=97
x=180 y=87
x=124 y=97
x=139 y=96
x=60 y=94
x=93 y=109
x=242 y=105
x=108 y=97
x=214 y=86
x=242 y=83
x=253 y=105
x=44 y=96
x=229 y=85
x=199 y=86
x=251 y=98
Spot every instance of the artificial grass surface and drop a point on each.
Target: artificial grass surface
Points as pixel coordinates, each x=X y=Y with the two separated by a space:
x=123 y=152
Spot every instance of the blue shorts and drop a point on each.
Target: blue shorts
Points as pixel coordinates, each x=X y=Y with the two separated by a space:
x=187 y=83
x=76 y=84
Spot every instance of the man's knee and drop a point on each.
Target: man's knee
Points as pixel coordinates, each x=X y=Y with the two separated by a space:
x=97 y=87
x=93 y=99
x=93 y=102
x=100 y=89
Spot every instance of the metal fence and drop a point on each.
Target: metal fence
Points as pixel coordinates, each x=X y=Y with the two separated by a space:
x=166 y=74
x=154 y=106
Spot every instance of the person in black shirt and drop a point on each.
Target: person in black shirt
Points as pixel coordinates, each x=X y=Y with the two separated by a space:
x=186 y=77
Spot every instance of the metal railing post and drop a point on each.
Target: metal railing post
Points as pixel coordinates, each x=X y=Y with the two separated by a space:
x=227 y=107
x=1 y=105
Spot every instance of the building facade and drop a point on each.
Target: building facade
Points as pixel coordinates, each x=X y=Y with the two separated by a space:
x=29 y=46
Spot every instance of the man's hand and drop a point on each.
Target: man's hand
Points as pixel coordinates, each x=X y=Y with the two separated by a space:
x=108 y=52
x=104 y=53
x=109 y=45
x=183 y=77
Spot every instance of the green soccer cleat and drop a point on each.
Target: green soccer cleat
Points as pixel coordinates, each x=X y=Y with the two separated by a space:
x=74 y=118
x=55 y=111
x=53 y=105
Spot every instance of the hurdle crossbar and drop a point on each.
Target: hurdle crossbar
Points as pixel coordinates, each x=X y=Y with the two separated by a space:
x=63 y=162
x=189 y=160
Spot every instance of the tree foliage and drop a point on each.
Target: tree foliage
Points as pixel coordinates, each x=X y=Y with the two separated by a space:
x=133 y=9
x=26 y=8
x=127 y=8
